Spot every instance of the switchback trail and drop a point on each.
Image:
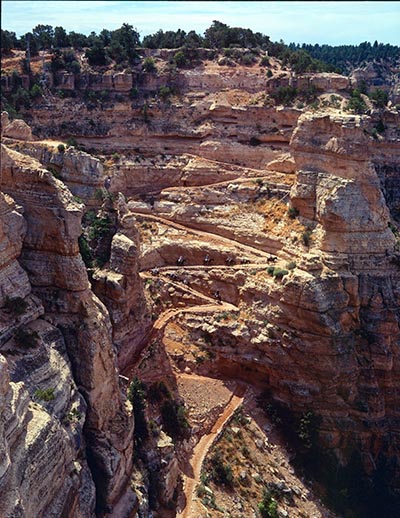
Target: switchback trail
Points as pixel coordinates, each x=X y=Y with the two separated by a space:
x=200 y=451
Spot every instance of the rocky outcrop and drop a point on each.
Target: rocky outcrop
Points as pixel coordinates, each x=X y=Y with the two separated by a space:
x=337 y=187
x=120 y=288
x=81 y=172
x=75 y=366
x=17 y=129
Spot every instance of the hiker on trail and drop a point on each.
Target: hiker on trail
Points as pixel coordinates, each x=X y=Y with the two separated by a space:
x=217 y=295
x=230 y=260
x=180 y=261
x=107 y=182
x=151 y=202
x=155 y=271
x=207 y=260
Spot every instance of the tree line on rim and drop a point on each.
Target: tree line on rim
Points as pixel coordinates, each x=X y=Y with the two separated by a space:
x=121 y=45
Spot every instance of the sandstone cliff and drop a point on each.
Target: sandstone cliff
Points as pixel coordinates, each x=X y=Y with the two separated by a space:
x=226 y=236
x=62 y=388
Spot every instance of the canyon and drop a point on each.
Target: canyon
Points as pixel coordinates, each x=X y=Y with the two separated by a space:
x=218 y=252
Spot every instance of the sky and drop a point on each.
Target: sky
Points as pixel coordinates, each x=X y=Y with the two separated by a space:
x=320 y=22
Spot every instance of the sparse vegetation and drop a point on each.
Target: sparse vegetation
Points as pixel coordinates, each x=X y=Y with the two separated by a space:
x=137 y=396
x=16 y=305
x=306 y=237
x=174 y=419
x=279 y=273
x=149 y=65
x=293 y=212
x=221 y=473
x=268 y=507
x=26 y=337
x=356 y=103
x=44 y=394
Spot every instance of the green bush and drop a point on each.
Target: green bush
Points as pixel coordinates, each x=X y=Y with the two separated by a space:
x=85 y=251
x=99 y=227
x=180 y=59
x=137 y=396
x=149 y=65
x=285 y=95
x=279 y=273
x=71 y=142
x=134 y=93
x=379 y=97
x=44 y=394
x=356 y=103
x=268 y=507
x=26 y=338
x=291 y=265
x=165 y=92
x=306 y=237
x=221 y=473
x=16 y=305
x=61 y=148
x=36 y=91
x=54 y=171
x=174 y=419
x=293 y=212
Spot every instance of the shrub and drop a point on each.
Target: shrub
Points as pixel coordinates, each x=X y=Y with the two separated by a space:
x=279 y=273
x=379 y=97
x=99 y=227
x=180 y=59
x=247 y=59
x=74 y=67
x=379 y=126
x=133 y=94
x=164 y=92
x=306 y=237
x=71 y=142
x=174 y=419
x=268 y=507
x=45 y=394
x=137 y=396
x=54 y=171
x=61 y=148
x=221 y=473
x=293 y=212
x=270 y=270
x=16 y=305
x=356 y=103
x=149 y=65
x=264 y=61
x=269 y=73
x=285 y=95
x=85 y=251
x=291 y=265
x=36 y=91
x=26 y=338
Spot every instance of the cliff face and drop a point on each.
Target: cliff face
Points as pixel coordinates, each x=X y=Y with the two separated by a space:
x=263 y=237
x=60 y=381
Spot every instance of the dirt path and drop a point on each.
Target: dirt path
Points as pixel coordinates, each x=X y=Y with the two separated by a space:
x=200 y=451
x=162 y=321
x=210 y=237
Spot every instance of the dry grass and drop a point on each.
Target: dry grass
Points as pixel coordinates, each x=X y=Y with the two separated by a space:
x=277 y=220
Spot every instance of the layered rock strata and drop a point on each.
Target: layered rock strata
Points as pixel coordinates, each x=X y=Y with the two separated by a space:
x=63 y=383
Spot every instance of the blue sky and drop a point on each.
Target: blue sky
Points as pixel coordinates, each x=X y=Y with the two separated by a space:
x=301 y=22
